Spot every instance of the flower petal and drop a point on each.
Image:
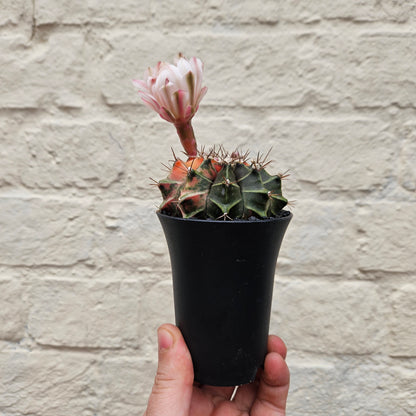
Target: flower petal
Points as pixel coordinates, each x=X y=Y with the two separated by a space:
x=166 y=115
x=150 y=102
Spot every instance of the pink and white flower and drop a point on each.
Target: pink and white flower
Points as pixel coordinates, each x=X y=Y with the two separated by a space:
x=173 y=91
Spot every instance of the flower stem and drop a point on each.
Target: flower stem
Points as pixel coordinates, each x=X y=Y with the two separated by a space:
x=187 y=136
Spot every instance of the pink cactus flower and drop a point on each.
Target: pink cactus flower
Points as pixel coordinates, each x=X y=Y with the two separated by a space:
x=175 y=91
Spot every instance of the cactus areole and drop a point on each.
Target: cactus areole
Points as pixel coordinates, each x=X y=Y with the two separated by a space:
x=223 y=219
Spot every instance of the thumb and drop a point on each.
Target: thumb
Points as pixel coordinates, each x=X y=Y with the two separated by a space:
x=172 y=390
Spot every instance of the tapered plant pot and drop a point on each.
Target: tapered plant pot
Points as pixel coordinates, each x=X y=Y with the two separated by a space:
x=223 y=274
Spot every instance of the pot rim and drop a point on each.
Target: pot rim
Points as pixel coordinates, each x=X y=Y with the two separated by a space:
x=237 y=221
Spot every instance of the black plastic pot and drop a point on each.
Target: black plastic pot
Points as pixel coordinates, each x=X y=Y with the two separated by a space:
x=223 y=274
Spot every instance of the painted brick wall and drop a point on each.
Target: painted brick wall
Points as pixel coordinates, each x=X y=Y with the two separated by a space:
x=84 y=269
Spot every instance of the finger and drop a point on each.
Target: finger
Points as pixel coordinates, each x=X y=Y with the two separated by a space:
x=247 y=393
x=276 y=344
x=273 y=387
x=172 y=390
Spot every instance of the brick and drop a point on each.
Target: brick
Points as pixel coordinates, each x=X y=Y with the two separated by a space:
x=345 y=386
x=13 y=311
x=14 y=11
x=131 y=235
x=158 y=308
x=386 y=234
x=272 y=11
x=393 y=82
x=214 y=11
x=407 y=168
x=59 y=155
x=369 y=69
x=330 y=318
x=404 y=388
x=33 y=77
x=44 y=232
x=356 y=11
x=331 y=154
x=91 y=11
x=87 y=155
x=85 y=314
x=47 y=384
x=309 y=249
x=402 y=322
x=10 y=152
x=125 y=384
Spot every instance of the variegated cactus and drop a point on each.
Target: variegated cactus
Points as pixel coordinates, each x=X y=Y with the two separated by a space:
x=218 y=188
x=212 y=185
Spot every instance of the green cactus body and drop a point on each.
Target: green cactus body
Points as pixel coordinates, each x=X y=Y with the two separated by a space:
x=221 y=190
x=273 y=184
x=225 y=200
x=255 y=195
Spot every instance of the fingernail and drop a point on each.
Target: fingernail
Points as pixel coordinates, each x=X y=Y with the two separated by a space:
x=165 y=339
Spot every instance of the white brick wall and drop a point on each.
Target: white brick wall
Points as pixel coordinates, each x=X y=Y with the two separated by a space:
x=84 y=269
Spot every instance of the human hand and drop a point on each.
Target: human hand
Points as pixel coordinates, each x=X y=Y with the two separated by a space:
x=175 y=393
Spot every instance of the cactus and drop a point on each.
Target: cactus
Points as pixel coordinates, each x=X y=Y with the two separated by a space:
x=216 y=184
x=219 y=187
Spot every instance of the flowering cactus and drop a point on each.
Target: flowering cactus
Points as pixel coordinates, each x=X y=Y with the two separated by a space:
x=175 y=91
x=216 y=184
